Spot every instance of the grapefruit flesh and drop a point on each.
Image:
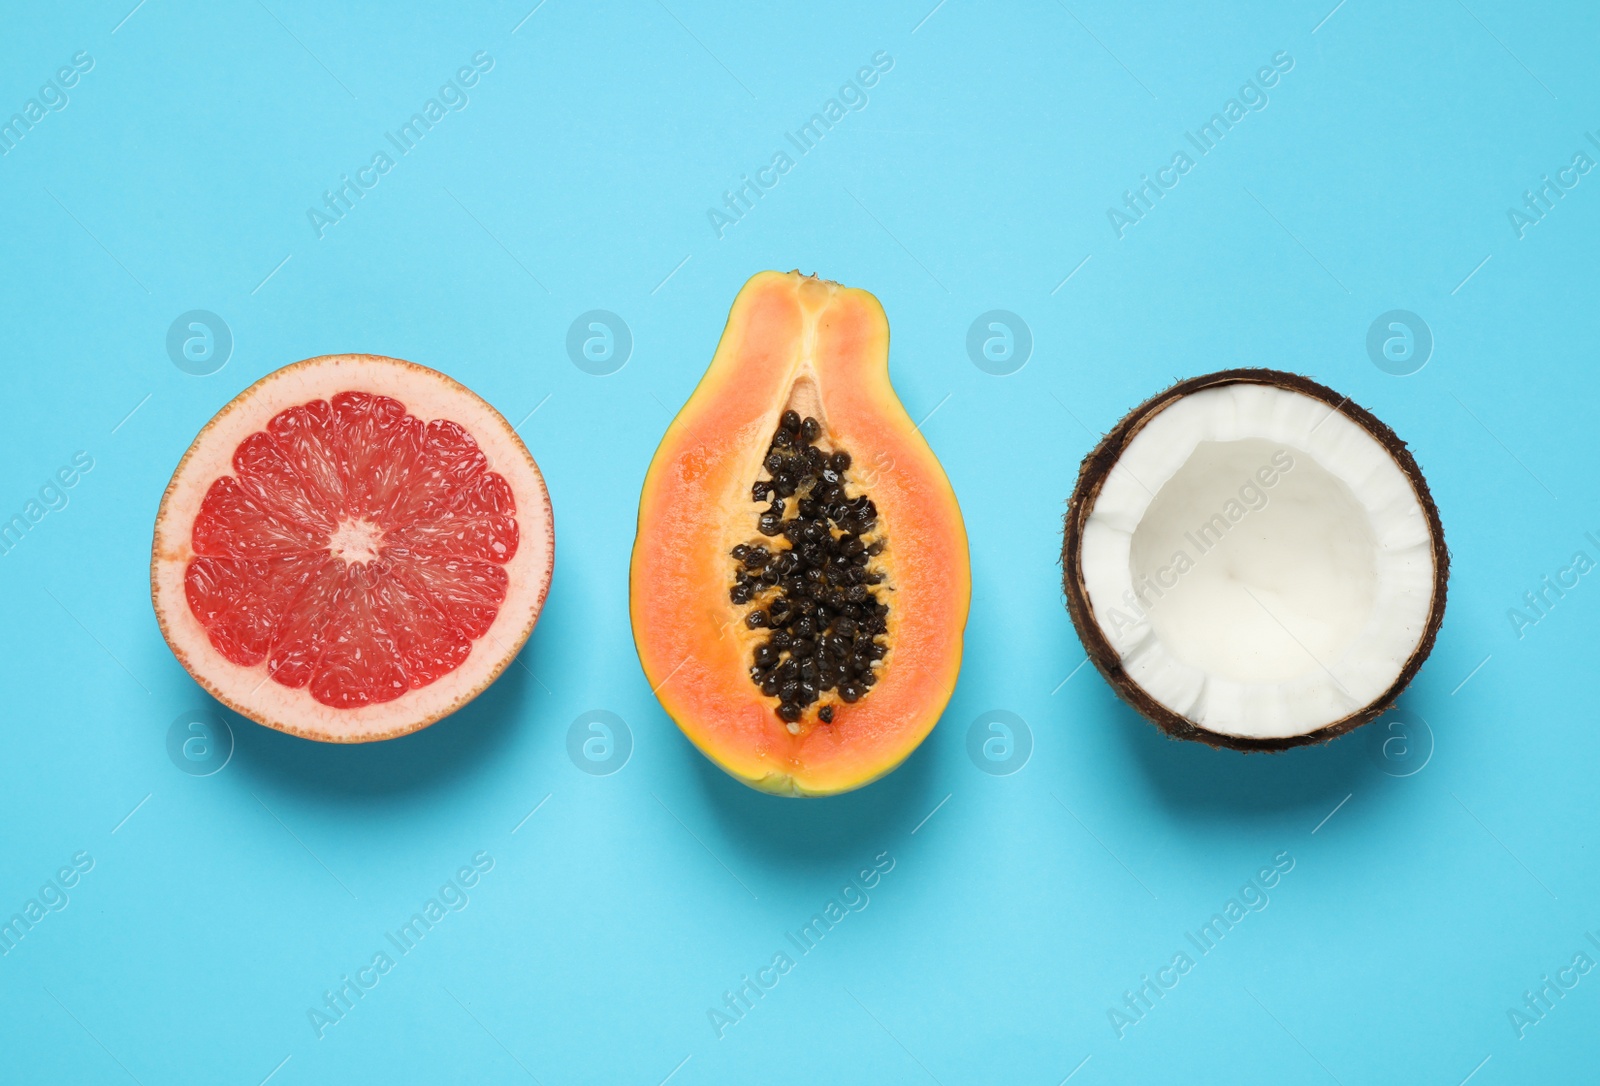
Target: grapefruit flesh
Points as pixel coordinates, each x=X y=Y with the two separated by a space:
x=352 y=548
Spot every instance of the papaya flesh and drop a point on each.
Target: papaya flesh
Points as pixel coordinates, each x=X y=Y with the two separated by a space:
x=800 y=578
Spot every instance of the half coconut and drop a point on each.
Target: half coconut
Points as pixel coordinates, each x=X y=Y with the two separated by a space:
x=1255 y=562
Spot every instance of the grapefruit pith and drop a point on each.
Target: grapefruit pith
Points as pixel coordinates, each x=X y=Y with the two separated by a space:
x=354 y=547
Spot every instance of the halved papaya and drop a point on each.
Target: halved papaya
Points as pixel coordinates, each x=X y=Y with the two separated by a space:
x=800 y=578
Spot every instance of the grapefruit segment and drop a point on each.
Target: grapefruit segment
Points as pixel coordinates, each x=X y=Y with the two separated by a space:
x=354 y=547
x=241 y=601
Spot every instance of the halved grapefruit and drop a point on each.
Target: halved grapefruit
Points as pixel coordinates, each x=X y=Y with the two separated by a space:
x=352 y=548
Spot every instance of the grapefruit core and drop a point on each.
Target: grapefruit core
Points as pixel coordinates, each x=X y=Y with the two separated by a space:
x=352 y=548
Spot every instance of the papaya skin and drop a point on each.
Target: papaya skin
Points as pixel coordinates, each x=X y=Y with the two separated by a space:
x=802 y=342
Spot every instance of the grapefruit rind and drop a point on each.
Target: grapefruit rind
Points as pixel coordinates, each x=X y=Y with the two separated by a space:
x=428 y=395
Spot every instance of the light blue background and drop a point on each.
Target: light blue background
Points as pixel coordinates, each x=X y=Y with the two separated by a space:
x=978 y=178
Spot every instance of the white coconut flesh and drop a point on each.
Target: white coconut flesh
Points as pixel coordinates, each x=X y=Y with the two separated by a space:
x=1259 y=562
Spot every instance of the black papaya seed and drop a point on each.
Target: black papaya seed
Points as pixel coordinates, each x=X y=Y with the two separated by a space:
x=814 y=586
